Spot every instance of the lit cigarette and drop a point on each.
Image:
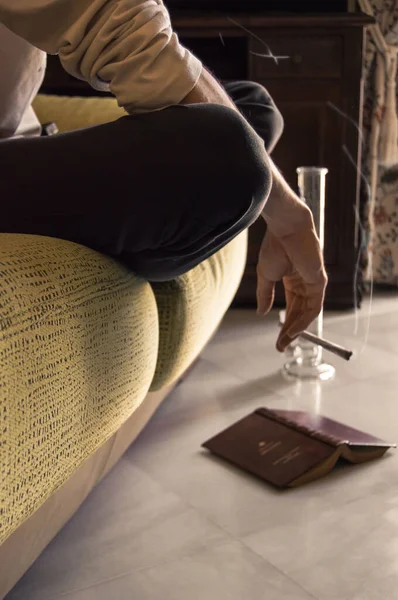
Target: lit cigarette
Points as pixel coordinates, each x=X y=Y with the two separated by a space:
x=325 y=344
x=329 y=346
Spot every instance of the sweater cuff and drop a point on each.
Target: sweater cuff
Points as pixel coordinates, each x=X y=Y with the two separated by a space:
x=171 y=76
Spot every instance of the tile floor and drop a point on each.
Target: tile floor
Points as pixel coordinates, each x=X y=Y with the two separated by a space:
x=172 y=522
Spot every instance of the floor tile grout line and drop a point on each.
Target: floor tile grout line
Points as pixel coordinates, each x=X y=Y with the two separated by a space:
x=240 y=537
x=187 y=504
x=365 y=494
x=279 y=570
x=142 y=569
x=313 y=565
x=232 y=538
x=178 y=556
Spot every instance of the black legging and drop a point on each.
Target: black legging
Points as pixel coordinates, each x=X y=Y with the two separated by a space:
x=160 y=192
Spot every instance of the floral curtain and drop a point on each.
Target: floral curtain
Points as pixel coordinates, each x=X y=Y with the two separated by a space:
x=380 y=159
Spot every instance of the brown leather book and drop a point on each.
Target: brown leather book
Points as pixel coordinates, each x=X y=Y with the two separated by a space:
x=288 y=448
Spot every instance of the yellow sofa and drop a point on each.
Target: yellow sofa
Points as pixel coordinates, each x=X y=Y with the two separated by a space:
x=87 y=353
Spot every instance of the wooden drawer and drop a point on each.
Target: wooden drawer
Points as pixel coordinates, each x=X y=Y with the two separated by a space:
x=307 y=56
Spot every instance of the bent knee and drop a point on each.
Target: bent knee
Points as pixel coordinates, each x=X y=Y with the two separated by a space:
x=262 y=97
x=224 y=156
x=249 y=171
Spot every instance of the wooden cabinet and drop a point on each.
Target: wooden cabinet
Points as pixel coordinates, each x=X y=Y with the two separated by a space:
x=317 y=85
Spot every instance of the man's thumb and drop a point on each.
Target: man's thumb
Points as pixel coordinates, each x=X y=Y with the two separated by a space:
x=265 y=295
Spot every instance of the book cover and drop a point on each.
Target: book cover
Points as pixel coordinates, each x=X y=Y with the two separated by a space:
x=286 y=448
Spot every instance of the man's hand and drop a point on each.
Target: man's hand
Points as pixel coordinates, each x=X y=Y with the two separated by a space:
x=296 y=259
x=291 y=249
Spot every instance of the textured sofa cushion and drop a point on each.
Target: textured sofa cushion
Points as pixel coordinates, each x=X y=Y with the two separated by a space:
x=191 y=307
x=76 y=113
x=78 y=348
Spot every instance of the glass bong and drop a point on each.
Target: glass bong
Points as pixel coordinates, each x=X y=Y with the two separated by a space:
x=304 y=360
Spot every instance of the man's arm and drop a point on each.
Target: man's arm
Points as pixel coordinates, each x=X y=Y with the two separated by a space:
x=129 y=47
x=125 y=46
x=290 y=251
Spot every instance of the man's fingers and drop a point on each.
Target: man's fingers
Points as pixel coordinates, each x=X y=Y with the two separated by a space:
x=302 y=324
x=304 y=303
x=283 y=342
x=288 y=335
x=310 y=310
x=265 y=295
x=294 y=311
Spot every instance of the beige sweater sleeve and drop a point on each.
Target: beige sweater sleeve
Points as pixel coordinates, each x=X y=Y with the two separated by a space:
x=125 y=46
x=21 y=73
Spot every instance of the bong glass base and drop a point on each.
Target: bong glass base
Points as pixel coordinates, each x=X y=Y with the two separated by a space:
x=297 y=369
